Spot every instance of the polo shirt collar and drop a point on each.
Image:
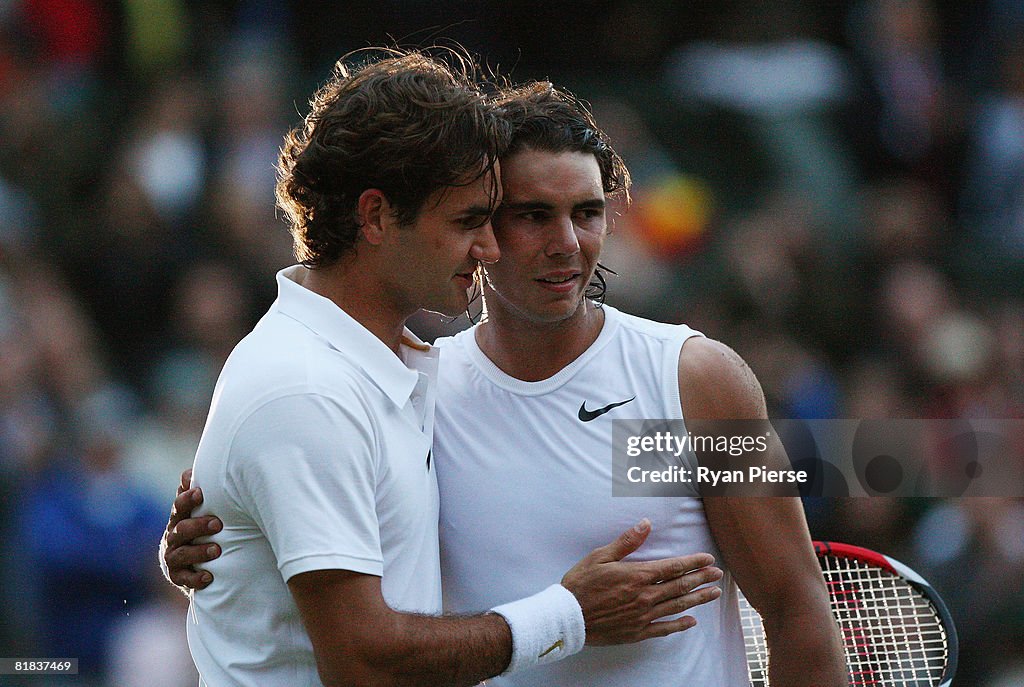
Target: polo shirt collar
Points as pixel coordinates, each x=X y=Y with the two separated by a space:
x=323 y=316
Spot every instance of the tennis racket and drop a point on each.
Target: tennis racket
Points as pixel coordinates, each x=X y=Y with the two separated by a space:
x=896 y=630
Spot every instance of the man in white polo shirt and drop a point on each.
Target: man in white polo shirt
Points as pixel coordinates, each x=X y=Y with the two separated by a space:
x=316 y=454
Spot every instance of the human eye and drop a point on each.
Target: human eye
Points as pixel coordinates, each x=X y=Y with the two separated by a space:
x=534 y=215
x=472 y=221
x=589 y=215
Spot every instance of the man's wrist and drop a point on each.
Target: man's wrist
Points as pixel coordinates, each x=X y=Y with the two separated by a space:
x=546 y=627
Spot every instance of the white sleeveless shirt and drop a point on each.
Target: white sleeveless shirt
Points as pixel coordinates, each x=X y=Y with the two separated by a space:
x=526 y=491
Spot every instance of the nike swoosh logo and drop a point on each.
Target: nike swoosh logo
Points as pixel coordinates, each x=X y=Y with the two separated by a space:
x=588 y=415
x=557 y=645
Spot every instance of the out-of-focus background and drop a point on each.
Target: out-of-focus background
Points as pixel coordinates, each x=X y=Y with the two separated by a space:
x=834 y=189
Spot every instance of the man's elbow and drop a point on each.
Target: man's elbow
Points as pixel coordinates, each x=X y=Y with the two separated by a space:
x=357 y=673
x=365 y=661
x=798 y=606
x=807 y=620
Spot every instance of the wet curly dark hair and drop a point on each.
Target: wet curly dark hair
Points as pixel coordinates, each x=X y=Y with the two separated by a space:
x=405 y=122
x=542 y=117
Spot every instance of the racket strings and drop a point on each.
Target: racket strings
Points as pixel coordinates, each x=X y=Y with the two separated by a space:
x=891 y=633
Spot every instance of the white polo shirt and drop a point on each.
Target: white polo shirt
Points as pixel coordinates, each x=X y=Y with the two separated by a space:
x=315 y=456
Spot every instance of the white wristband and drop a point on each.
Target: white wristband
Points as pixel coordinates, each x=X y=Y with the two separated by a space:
x=546 y=627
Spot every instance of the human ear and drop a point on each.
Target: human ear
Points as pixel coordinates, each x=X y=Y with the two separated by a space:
x=374 y=211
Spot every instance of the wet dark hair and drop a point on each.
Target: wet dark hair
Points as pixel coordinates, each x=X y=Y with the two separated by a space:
x=543 y=118
x=404 y=122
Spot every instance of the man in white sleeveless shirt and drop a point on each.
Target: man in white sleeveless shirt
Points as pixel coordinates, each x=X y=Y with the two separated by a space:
x=523 y=433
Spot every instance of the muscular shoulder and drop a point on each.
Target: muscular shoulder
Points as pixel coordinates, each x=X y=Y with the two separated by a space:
x=715 y=382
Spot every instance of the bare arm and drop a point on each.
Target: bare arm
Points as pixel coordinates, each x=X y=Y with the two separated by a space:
x=358 y=640
x=764 y=540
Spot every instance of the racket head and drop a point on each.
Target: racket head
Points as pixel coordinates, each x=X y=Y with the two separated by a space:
x=877 y=602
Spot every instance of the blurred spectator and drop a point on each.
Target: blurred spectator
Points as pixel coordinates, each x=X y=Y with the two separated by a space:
x=164 y=440
x=781 y=272
x=165 y=153
x=18 y=220
x=913 y=298
x=27 y=412
x=210 y=311
x=876 y=389
x=155 y=34
x=210 y=314
x=252 y=113
x=787 y=84
x=973 y=550
x=912 y=111
x=79 y=501
x=904 y=219
x=63 y=339
x=29 y=433
x=993 y=198
x=69 y=33
x=1009 y=332
x=127 y=263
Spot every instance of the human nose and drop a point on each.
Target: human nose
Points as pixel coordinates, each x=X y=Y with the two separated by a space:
x=564 y=240
x=485 y=248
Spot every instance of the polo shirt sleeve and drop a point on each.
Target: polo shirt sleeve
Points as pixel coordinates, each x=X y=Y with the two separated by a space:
x=304 y=467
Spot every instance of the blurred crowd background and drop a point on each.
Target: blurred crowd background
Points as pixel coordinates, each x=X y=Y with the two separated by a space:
x=834 y=189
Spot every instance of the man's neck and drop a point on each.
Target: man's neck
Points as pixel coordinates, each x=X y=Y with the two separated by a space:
x=353 y=289
x=534 y=351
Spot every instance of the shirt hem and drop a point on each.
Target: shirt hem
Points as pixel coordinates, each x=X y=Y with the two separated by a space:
x=367 y=566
